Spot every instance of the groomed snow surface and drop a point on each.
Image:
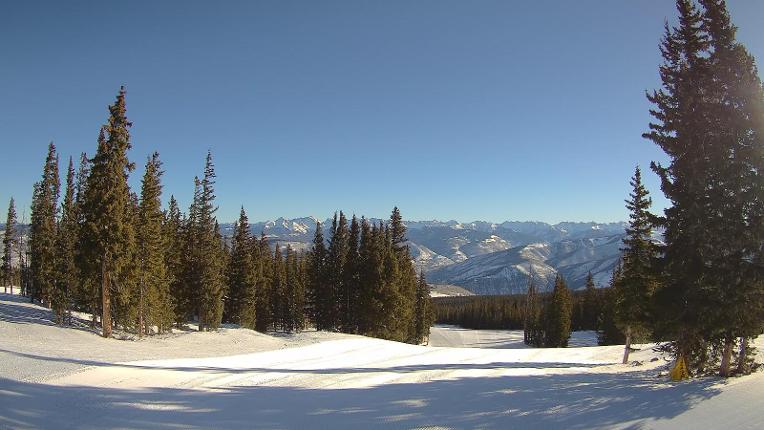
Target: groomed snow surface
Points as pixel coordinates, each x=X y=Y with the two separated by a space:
x=52 y=377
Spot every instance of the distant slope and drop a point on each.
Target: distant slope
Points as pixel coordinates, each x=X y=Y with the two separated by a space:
x=439 y=290
x=506 y=272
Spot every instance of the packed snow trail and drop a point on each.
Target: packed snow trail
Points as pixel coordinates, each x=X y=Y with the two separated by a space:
x=352 y=382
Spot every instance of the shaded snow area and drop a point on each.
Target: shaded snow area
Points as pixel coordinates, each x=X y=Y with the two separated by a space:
x=53 y=377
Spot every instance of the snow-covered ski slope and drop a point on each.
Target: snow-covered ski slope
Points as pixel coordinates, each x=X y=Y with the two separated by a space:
x=240 y=379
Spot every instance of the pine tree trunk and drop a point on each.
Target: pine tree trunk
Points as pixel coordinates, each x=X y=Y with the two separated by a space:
x=140 y=312
x=741 y=362
x=627 y=346
x=106 y=301
x=724 y=368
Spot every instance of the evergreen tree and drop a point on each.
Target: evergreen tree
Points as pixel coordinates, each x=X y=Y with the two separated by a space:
x=608 y=332
x=397 y=228
x=125 y=296
x=371 y=277
x=590 y=304
x=278 y=289
x=679 y=131
x=66 y=275
x=264 y=290
x=107 y=230
x=294 y=293
x=638 y=281
x=405 y=283
x=242 y=277
x=350 y=283
x=425 y=316
x=174 y=234
x=558 y=315
x=188 y=291
x=339 y=245
x=209 y=273
x=737 y=131
x=533 y=329
x=9 y=242
x=709 y=123
x=23 y=253
x=87 y=295
x=318 y=295
x=407 y=305
x=155 y=302
x=386 y=325
x=43 y=230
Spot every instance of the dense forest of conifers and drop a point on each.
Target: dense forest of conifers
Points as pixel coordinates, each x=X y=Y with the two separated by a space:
x=116 y=254
x=589 y=309
x=508 y=311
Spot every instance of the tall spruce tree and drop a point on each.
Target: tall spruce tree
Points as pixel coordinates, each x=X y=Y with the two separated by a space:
x=278 y=289
x=533 y=328
x=318 y=295
x=242 y=276
x=608 y=332
x=558 y=315
x=210 y=270
x=174 y=235
x=387 y=325
x=737 y=131
x=188 y=293
x=43 y=230
x=67 y=275
x=293 y=293
x=348 y=298
x=107 y=230
x=424 y=315
x=86 y=296
x=590 y=304
x=125 y=296
x=155 y=302
x=709 y=123
x=9 y=244
x=263 y=301
x=370 y=278
x=339 y=245
x=638 y=280
x=405 y=281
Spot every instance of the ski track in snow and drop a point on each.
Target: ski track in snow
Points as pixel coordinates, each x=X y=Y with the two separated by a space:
x=240 y=379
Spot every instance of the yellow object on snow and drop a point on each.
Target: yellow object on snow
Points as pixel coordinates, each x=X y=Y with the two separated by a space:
x=679 y=371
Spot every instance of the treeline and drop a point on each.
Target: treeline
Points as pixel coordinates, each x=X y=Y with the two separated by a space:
x=589 y=309
x=119 y=256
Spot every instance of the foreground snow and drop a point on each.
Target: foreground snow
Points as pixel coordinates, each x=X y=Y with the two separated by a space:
x=337 y=381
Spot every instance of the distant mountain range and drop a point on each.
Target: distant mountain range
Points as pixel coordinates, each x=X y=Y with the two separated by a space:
x=489 y=258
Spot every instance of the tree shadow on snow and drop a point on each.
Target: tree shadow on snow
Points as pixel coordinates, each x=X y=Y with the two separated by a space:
x=630 y=400
x=312 y=371
x=18 y=310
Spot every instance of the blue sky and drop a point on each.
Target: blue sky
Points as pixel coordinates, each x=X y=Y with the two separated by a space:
x=489 y=110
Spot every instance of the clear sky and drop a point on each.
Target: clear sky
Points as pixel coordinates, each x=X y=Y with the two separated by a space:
x=468 y=110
